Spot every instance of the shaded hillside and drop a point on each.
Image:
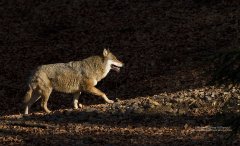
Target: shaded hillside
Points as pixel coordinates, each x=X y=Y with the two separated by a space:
x=163 y=43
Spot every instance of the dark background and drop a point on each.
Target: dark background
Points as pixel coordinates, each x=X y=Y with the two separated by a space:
x=165 y=44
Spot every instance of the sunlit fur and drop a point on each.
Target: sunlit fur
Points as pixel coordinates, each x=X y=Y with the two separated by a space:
x=73 y=77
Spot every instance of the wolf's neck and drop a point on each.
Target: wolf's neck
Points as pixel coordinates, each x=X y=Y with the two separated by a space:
x=107 y=68
x=94 y=67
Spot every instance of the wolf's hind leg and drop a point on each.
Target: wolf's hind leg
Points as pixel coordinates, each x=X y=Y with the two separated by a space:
x=45 y=96
x=35 y=96
x=75 y=100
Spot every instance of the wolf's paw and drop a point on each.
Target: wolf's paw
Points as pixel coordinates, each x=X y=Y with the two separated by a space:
x=79 y=106
x=110 y=101
x=47 y=111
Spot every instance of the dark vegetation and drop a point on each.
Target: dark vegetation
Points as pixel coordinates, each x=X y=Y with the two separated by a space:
x=227 y=66
x=182 y=71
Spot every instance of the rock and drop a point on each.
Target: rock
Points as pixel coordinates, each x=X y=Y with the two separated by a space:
x=117 y=100
x=201 y=94
x=150 y=104
x=68 y=111
x=137 y=110
x=166 y=108
x=213 y=95
x=226 y=93
x=214 y=103
x=154 y=103
x=234 y=90
x=128 y=109
x=186 y=126
x=162 y=96
x=181 y=111
x=122 y=111
x=169 y=104
x=20 y=116
x=89 y=110
x=116 y=106
x=193 y=105
x=208 y=98
x=230 y=86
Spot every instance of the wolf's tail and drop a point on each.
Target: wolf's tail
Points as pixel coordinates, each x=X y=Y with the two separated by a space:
x=28 y=95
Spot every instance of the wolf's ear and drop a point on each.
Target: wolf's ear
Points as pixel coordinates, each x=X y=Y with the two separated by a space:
x=105 y=52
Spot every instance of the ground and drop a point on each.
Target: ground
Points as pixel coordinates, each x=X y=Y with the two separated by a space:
x=163 y=95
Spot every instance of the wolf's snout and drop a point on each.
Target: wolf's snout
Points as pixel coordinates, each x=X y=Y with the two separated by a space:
x=116 y=68
x=120 y=64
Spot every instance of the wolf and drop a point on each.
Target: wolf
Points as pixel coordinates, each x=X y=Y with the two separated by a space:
x=72 y=77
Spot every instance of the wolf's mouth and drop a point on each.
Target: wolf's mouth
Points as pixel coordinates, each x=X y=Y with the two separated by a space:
x=116 y=68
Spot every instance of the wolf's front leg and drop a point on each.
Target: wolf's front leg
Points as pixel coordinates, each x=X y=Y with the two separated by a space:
x=75 y=101
x=98 y=92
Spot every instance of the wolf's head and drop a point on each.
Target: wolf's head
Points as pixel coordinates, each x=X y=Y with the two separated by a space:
x=112 y=61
